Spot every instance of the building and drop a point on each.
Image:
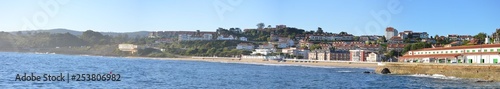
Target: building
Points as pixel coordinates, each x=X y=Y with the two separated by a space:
x=245 y=46
x=371 y=47
x=395 y=39
x=127 y=48
x=196 y=36
x=263 y=51
x=396 y=47
x=243 y=39
x=413 y=35
x=284 y=42
x=390 y=32
x=323 y=55
x=226 y=37
x=357 y=55
x=328 y=55
x=487 y=53
x=455 y=37
x=373 y=57
x=266 y=46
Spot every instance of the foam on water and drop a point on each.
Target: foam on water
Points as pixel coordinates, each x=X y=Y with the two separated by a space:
x=344 y=71
x=436 y=76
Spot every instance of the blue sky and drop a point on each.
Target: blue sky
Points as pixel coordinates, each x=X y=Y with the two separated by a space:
x=353 y=16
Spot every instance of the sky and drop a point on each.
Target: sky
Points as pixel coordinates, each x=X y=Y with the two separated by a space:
x=358 y=17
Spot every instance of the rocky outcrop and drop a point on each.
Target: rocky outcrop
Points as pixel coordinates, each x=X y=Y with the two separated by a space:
x=488 y=72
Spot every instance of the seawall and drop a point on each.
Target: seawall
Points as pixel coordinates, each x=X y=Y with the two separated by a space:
x=487 y=72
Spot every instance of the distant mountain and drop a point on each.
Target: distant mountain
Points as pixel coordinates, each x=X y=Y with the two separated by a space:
x=78 y=33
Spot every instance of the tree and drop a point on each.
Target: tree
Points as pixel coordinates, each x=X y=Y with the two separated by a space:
x=481 y=37
x=315 y=46
x=382 y=39
x=260 y=25
x=319 y=31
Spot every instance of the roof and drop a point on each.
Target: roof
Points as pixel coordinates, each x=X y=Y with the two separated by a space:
x=445 y=55
x=463 y=47
x=396 y=45
x=431 y=56
x=396 y=38
x=389 y=29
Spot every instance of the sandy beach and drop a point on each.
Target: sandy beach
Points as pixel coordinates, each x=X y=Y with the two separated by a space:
x=288 y=62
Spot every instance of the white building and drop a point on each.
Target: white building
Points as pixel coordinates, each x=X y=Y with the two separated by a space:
x=243 y=39
x=127 y=47
x=263 y=51
x=245 y=46
x=373 y=57
x=390 y=32
x=226 y=37
x=192 y=37
x=285 y=43
x=487 y=53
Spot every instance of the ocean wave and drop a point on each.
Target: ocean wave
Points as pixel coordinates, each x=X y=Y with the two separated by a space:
x=344 y=71
x=436 y=76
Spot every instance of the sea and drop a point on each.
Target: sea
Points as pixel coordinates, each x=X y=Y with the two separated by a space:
x=174 y=74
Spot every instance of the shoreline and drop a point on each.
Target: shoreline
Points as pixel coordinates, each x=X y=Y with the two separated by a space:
x=343 y=64
x=273 y=62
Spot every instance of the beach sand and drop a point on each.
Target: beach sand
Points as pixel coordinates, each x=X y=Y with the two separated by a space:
x=343 y=64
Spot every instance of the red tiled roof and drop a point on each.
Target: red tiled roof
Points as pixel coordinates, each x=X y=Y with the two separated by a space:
x=389 y=29
x=463 y=47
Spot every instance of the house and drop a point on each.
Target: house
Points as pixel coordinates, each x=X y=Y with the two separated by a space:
x=395 y=39
x=305 y=42
x=321 y=37
x=266 y=46
x=284 y=42
x=127 y=48
x=398 y=47
x=373 y=57
x=429 y=40
x=245 y=46
x=263 y=51
x=243 y=39
x=372 y=47
x=196 y=36
x=226 y=37
x=486 y=53
x=414 y=35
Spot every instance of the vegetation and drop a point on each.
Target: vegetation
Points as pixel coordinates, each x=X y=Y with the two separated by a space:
x=205 y=48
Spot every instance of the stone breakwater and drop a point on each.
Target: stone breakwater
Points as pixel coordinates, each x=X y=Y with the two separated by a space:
x=488 y=72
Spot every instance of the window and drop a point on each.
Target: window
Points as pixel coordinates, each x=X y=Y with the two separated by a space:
x=491 y=50
x=456 y=51
x=485 y=50
x=467 y=50
x=473 y=50
x=498 y=50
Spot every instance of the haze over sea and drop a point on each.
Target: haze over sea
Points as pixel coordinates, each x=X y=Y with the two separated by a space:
x=147 y=73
